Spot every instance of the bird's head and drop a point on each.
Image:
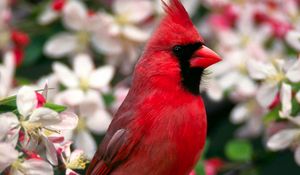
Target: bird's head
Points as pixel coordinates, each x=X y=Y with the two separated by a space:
x=177 y=49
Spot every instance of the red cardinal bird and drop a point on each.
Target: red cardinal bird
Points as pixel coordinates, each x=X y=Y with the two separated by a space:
x=160 y=129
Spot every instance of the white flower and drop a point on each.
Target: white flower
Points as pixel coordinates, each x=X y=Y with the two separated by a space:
x=285 y=98
x=283 y=139
x=124 y=31
x=293 y=39
x=119 y=93
x=72 y=160
x=84 y=77
x=273 y=74
x=249 y=113
x=37 y=123
x=231 y=74
x=8 y=155
x=31 y=167
x=6 y=75
x=92 y=118
x=76 y=18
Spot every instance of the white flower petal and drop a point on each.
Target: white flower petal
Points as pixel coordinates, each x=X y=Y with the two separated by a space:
x=37 y=167
x=266 y=94
x=92 y=103
x=74 y=15
x=293 y=39
x=56 y=138
x=9 y=61
x=47 y=16
x=85 y=141
x=259 y=70
x=65 y=75
x=282 y=139
x=298 y=96
x=50 y=151
x=71 y=172
x=134 y=11
x=286 y=100
x=228 y=80
x=83 y=65
x=99 y=122
x=246 y=87
x=8 y=155
x=294 y=72
x=64 y=151
x=26 y=100
x=239 y=114
x=107 y=44
x=8 y=121
x=44 y=116
x=101 y=77
x=61 y=45
x=71 y=97
x=69 y=121
x=135 y=34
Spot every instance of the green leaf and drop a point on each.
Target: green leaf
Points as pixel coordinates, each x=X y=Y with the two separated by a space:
x=239 y=150
x=55 y=107
x=8 y=104
x=200 y=165
x=200 y=168
x=108 y=99
x=273 y=115
x=295 y=107
x=34 y=50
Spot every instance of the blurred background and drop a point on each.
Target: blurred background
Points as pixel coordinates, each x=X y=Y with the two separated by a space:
x=85 y=52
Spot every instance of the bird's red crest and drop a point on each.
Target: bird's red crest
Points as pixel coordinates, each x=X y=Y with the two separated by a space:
x=175 y=27
x=176 y=13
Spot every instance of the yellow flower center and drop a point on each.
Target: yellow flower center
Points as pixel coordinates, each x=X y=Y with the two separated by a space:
x=18 y=166
x=79 y=163
x=278 y=77
x=4 y=38
x=81 y=124
x=83 y=38
x=121 y=19
x=84 y=84
x=31 y=127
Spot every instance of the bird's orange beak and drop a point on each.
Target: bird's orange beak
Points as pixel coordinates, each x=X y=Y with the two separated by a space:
x=204 y=57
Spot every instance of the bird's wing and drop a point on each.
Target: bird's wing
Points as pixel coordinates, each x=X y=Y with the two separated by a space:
x=116 y=146
x=112 y=152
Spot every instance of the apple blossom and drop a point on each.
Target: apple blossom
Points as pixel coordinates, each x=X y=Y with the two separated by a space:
x=273 y=73
x=72 y=160
x=92 y=118
x=37 y=123
x=123 y=32
x=83 y=26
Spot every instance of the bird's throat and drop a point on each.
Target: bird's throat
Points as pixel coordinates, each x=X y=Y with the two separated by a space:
x=191 y=79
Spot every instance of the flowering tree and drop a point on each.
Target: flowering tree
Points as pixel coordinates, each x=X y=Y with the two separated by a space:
x=65 y=69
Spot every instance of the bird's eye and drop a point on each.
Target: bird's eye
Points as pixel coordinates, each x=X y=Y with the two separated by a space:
x=178 y=50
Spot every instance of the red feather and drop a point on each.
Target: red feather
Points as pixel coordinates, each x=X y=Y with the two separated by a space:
x=160 y=129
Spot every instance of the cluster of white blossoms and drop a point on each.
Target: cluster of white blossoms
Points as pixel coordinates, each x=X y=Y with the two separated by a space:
x=31 y=136
x=53 y=130
x=259 y=42
x=94 y=48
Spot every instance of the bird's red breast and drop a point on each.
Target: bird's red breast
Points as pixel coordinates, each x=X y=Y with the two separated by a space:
x=160 y=129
